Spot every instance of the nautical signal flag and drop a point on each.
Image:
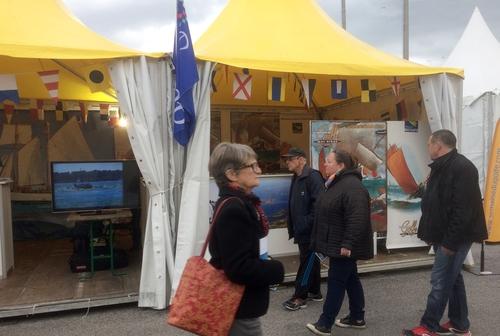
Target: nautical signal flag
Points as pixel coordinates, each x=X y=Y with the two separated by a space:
x=242 y=86
x=276 y=89
x=84 y=111
x=368 y=91
x=103 y=112
x=401 y=111
x=59 y=111
x=40 y=110
x=308 y=86
x=339 y=88
x=396 y=86
x=97 y=77
x=8 y=88
x=50 y=79
x=9 y=112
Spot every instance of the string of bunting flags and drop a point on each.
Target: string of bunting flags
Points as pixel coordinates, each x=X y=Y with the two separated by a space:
x=37 y=108
x=242 y=83
x=96 y=76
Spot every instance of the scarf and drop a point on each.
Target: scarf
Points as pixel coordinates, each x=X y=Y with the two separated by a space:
x=257 y=204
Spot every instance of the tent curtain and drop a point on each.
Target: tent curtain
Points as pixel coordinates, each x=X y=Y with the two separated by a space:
x=478 y=127
x=144 y=88
x=194 y=207
x=176 y=177
x=442 y=95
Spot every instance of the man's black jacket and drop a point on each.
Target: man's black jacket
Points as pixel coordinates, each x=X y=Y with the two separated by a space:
x=452 y=209
x=304 y=190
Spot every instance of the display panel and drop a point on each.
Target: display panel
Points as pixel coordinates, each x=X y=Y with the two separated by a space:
x=96 y=185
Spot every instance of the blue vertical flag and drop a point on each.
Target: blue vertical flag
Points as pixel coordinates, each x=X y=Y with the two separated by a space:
x=276 y=89
x=339 y=88
x=186 y=75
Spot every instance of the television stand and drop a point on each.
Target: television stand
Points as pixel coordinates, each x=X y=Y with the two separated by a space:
x=97 y=212
x=108 y=218
x=99 y=215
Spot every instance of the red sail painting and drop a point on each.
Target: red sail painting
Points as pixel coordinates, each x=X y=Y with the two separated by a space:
x=396 y=163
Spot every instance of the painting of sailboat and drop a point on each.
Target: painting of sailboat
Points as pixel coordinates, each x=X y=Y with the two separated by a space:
x=407 y=161
x=366 y=142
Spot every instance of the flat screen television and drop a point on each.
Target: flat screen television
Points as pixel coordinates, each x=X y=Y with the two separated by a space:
x=94 y=185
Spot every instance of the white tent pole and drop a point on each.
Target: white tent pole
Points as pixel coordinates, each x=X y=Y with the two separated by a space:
x=344 y=19
x=406 y=32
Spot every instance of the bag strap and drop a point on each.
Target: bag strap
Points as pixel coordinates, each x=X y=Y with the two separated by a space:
x=214 y=218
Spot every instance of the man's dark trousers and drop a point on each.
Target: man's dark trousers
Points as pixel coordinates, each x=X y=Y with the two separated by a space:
x=313 y=281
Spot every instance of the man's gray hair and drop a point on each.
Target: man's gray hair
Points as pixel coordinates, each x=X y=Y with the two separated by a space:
x=228 y=156
x=446 y=137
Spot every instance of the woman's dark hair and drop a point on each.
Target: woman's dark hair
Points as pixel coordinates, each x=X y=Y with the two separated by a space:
x=344 y=157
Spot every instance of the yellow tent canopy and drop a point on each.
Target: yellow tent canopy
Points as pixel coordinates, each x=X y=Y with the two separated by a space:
x=42 y=35
x=296 y=36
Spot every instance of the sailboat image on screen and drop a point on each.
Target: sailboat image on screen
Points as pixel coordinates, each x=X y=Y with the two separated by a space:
x=407 y=192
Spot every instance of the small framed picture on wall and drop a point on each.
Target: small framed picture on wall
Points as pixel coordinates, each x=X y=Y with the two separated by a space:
x=297 y=128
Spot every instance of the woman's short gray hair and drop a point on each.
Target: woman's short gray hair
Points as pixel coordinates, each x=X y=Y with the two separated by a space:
x=228 y=156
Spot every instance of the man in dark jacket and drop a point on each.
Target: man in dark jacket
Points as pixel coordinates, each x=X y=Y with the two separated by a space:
x=452 y=219
x=342 y=231
x=305 y=188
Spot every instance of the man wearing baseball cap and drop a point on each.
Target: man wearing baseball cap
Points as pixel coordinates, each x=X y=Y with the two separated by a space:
x=307 y=184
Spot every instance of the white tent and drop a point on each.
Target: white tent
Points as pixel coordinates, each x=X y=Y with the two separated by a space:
x=478 y=52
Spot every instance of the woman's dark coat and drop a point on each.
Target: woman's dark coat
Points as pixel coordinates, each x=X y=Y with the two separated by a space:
x=234 y=247
x=343 y=218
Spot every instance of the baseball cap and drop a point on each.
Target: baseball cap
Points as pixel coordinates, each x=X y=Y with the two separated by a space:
x=294 y=151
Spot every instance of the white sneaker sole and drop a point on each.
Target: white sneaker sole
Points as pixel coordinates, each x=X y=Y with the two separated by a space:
x=342 y=325
x=313 y=329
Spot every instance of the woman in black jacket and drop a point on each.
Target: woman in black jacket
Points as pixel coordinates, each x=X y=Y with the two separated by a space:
x=342 y=231
x=238 y=231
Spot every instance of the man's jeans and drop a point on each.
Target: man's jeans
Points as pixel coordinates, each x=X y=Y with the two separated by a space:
x=342 y=277
x=447 y=287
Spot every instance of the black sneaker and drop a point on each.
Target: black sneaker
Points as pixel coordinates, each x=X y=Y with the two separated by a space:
x=315 y=297
x=317 y=329
x=347 y=322
x=295 y=304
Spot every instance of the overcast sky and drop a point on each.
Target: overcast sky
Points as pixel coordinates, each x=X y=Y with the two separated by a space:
x=435 y=25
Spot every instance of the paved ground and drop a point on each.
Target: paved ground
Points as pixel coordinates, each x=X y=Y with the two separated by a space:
x=394 y=300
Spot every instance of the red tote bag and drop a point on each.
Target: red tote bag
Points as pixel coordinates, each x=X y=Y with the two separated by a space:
x=206 y=301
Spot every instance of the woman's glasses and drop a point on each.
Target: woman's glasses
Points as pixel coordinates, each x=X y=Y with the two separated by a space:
x=254 y=165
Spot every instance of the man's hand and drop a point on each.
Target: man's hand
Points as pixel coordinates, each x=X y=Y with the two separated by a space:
x=447 y=252
x=345 y=252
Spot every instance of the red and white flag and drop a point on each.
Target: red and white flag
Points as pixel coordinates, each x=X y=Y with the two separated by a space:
x=84 y=111
x=242 y=86
x=51 y=80
x=396 y=86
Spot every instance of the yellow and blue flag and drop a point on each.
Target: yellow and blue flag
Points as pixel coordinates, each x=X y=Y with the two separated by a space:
x=186 y=76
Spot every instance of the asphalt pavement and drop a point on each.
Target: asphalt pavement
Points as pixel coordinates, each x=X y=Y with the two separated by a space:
x=394 y=300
